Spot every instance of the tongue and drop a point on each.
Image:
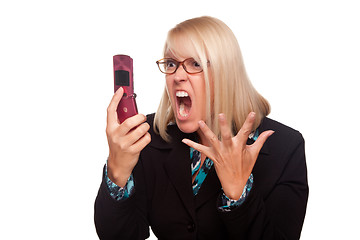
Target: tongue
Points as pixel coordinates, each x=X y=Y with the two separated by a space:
x=184 y=106
x=182 y=110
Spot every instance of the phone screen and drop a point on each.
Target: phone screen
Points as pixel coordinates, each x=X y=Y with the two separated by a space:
x=122 y=78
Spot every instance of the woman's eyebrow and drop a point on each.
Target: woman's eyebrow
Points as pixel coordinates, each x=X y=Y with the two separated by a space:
x=170 y=55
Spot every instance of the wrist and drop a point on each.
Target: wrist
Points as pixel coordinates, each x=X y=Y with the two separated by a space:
x=228 y=204
x=235 y=188
x=117 y=175
x=234 y=193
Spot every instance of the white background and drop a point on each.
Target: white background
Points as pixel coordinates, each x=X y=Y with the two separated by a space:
x=56 y=82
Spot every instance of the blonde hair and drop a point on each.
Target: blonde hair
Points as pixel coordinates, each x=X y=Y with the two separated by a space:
x=219 y=53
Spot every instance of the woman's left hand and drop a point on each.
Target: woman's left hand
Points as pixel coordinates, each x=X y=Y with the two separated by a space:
x=233 y=158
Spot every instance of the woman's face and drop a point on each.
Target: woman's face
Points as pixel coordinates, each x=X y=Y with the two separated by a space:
x=186 y=92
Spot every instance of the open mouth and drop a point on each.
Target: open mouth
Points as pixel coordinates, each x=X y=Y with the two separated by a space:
x=183 y=103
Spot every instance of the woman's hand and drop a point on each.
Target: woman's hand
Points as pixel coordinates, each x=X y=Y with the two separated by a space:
x=125 y=141
x=233 y=158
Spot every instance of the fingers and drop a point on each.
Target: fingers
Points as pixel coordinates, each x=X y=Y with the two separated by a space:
x=246 y=129
x=257 y=145
x=132 y=142
x=209 y=135
x=142 y=142
x=137 y=133
x=201 y=148
x=111 y=110
x=131 y=123
x=226 y=134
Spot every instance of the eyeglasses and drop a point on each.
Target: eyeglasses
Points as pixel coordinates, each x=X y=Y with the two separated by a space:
x=169 y=65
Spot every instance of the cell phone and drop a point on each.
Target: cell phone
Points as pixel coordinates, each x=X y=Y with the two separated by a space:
x=124 y=77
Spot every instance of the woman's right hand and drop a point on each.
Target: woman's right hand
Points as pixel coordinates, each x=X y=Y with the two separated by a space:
x=125 y=140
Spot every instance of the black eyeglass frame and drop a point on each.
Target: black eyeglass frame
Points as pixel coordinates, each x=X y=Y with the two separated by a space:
x=178 y=64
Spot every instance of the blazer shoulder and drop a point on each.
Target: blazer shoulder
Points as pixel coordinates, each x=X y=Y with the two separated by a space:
x=282 y=131
x=284 y=139
x=150 y=118
x=156 y=139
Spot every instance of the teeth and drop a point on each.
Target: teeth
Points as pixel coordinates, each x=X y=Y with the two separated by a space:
x=182 y=94
x=182 y=110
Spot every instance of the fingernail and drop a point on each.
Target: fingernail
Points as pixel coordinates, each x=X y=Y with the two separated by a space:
x=252 y=114
x=201 y=123
x=119 y=89
x=222 y=116
x=270 y=133
x=185 y=141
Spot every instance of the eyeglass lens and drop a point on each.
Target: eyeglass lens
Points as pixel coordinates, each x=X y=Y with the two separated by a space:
x=169 y=65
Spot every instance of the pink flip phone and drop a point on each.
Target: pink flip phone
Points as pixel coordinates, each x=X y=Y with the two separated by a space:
x=123 y=77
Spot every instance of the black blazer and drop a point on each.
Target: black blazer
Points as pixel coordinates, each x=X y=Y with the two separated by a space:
x=163 y=197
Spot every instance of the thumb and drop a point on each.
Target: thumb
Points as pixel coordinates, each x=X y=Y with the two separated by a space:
x=112 y=114
x=258 y=144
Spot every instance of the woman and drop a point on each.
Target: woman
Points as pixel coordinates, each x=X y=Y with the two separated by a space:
x=204 y=166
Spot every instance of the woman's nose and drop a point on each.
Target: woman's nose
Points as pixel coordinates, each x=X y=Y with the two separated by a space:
x=180 y=74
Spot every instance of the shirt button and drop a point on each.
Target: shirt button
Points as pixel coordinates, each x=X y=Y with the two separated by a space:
x=191 y=227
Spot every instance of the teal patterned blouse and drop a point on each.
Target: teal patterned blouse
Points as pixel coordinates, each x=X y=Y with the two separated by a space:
x=119 y=193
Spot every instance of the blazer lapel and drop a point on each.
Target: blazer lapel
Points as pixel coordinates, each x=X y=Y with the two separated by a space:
x=177 y=167
x=210 y=187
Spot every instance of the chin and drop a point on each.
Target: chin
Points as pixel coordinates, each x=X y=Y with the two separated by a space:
x=187 y=126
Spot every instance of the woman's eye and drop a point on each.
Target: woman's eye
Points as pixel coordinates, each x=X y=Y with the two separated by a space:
x=170 y=64
x=195 y=64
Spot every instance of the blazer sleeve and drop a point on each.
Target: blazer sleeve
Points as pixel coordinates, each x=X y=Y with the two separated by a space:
x=124 y=219
x=280 y=214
